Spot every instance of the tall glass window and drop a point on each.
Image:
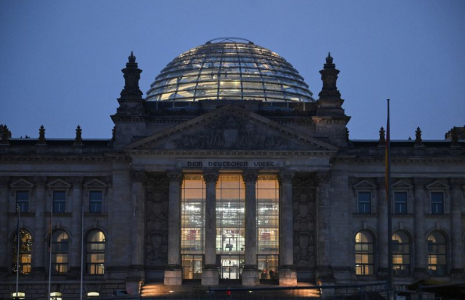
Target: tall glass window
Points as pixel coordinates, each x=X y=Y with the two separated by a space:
x=437 y=254
x=400 y=253
x=364 y=202
x=22 y=200
x=400 y=203
x=95 y=258
x=95 y=201
x=25 y=252
x=60 y=248
x=230 y=217
x=59 y=201
x=437 y=203
x=268 y=225
x=364 y=263
x=192 y=225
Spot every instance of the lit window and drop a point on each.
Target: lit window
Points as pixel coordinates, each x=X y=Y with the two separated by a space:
x=437 y=254
x=59 y=201
x=364 y=202
x=400 y=203
x=95 y=201
x=56 y=296
x=400 y=254
x=25 y=252
x=22 y=200
x=437 y=203
x=95 y=253
x=60 y=248
x=364 y=263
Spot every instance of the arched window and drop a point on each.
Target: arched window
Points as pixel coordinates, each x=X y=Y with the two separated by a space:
x=25 y=252
x=60 y=248
x=400 y=253
x=364 y=262
x=437 y=254
x=95 y=253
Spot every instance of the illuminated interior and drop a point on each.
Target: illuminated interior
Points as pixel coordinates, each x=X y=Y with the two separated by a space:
x=25 y=252
x=96 y=253
x=229 y=69
x=230 y=225
x=60 y=243
x=437 y=254
x=400 y=253
x=364 y=262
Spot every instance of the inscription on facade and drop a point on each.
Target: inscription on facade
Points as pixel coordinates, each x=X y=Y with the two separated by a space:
x=230 y=164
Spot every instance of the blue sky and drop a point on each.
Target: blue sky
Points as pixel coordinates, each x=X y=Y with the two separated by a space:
x=62 y=60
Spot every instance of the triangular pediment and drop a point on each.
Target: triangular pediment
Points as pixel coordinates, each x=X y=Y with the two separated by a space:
x=22 y=183
x=401 y=184
x=364 y=184
x=437 y=185
x=59 y=183
x=231 y=128
x=95 y=183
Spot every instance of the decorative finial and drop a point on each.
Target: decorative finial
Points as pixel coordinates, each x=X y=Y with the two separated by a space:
x=113 y=133
x=329 y=59
x=78 y=139
x=41 y=140
x=5 y=134
x=347 y=135
x=382 y=138
x=418 y=140
x=454 y=138
x=132 y=58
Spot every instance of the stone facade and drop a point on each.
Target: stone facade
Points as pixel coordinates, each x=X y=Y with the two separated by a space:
x=323 y=178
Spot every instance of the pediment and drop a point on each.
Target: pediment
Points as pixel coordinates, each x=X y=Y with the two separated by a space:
x=437 y=185
x=96 y=184
x=22 y=183
x=58 y=183
x=401 y=184
x=364 y=184
x=231 y=128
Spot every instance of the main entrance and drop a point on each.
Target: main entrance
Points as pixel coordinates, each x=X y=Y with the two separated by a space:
x=231 y=266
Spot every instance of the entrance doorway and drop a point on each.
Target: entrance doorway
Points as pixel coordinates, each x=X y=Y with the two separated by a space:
x=192 y=266
x=231 y=266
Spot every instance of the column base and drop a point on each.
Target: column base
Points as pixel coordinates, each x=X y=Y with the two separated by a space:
x=173 y=277
x=287 y=277
x=250 y=277
x=210 y=277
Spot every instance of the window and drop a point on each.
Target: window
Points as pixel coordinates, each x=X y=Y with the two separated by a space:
x=364 y=202
x=25 y=252
x=95 y=253
x=59 y=201
x=400 y=203
x=437 y=254
x=22 y=200
x=437 y=203
x=400 y=253
x=364 y=263
x=95 y=201
x=60 y=246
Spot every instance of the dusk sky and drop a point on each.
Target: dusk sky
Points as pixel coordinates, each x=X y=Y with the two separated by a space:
x=62 y=60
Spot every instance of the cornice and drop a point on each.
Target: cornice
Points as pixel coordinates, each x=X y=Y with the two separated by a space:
x=381 y=159
x=59 y=158
x=229 y=153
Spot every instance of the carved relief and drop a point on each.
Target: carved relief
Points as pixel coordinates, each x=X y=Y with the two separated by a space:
x=230 y=132
x=304 y=221
x=156 y=235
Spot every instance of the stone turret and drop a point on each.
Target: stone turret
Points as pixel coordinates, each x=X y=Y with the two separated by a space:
x=330 y=118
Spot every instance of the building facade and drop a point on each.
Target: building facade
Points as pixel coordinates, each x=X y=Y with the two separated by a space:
x=228 y=169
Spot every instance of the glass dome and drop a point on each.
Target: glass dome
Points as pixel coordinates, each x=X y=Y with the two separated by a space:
x=229 y=69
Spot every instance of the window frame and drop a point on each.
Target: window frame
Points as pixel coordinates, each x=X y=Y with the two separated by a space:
x=61 y=202
x=102 y=192
x=395 y=203
x=405 y=267
x=95 y=268
x=60 y=251
x=366 y=204
x=435 y=205
x=27 y=202
x=361 y=267
x=28 y=244
x=436 y=255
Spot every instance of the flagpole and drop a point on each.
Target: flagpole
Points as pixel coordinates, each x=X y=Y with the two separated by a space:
x=50 y=251
x=389 y=197
x=82 y=248
x=17 y=251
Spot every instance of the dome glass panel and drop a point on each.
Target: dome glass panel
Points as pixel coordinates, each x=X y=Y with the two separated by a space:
x=229 y=69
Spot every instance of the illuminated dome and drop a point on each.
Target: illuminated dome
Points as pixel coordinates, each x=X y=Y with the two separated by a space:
x=229 y=69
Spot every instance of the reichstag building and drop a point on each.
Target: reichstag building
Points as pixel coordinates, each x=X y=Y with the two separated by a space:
x=229 y=168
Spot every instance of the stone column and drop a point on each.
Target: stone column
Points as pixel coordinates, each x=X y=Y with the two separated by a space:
x=76 y=223
x=39 y=235
x=173 y=272
x=287 y=272
x=210 y=271
x=250 y=273
x=456 y=225
x=4 y=242
x=420 y=232
x=324 y=271
x=382 y=228
x=138 y=224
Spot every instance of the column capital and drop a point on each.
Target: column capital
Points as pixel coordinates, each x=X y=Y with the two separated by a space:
x=250 y=175
x=4 y=180
x=286 y=176
x=138 y=176
x=174 y=175
x=323 y=177
x=40 y=180
x=210 y=175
